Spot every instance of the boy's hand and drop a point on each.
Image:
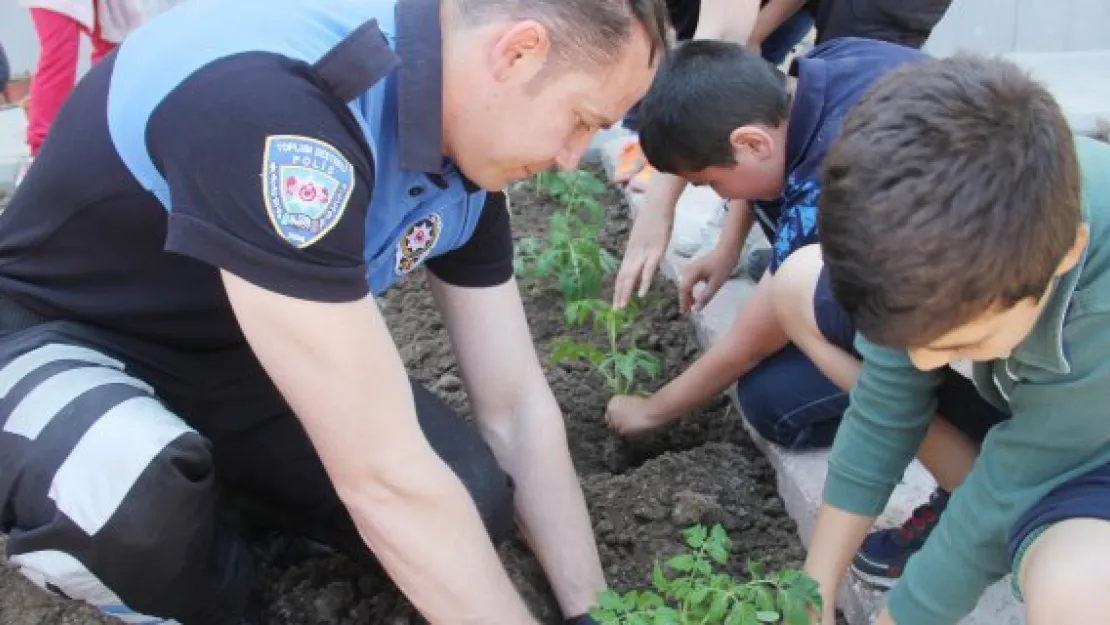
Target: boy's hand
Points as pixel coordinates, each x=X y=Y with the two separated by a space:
x=651 y=233
x=713 y=269
x=628 y=415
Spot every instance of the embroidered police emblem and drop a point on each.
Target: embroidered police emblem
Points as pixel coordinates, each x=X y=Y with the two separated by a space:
x=307 y=184
x=417 y=242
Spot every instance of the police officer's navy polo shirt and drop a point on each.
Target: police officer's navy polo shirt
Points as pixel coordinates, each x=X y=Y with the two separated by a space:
x=831 y=79
x=297 y=144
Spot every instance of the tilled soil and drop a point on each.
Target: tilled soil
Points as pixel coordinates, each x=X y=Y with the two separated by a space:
x=641 y=493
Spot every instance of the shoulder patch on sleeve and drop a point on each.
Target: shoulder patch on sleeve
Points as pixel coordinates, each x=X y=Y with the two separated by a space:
x=307 y=184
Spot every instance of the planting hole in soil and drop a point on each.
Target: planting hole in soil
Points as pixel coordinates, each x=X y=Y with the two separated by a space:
x=643 y=493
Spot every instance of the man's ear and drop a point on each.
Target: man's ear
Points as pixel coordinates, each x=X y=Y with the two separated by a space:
x=520 y=51
x=1082 y=237
x=752 y=141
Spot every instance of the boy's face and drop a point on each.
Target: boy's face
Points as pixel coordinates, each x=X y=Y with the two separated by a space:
x=759 y=170
x=996 y=333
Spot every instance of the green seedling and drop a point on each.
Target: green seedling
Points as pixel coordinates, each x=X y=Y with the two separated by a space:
x=573 y=255
x=577 y=191
x=621 y=366
x=689 y=589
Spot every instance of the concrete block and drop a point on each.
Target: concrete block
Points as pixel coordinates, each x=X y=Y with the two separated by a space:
x=801 y=475
x=1080 y=82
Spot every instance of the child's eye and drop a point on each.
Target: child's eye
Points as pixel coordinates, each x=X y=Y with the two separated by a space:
x=581 y=123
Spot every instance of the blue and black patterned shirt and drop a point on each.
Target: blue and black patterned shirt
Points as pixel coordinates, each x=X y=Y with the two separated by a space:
x=831 y=79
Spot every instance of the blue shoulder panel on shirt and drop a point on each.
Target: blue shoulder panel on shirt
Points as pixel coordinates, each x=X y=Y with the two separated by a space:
x=162 y=54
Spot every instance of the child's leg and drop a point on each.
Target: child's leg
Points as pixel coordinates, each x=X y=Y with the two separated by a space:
x=59 y=38
x=1061 y=552
x=101 y=46
x=948 y=452
x=797 y=397
x=812 y=318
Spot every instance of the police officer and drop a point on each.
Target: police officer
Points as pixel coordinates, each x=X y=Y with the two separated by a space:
x=187 y=312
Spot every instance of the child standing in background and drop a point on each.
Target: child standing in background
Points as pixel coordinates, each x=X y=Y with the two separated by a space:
x=59 y=25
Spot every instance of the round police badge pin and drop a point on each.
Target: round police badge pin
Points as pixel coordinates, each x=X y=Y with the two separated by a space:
x=307 y=184
x=417 y=242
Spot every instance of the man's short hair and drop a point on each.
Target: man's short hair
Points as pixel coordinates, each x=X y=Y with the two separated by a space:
x=951 y=191
x=702 y=92
x=594 y=31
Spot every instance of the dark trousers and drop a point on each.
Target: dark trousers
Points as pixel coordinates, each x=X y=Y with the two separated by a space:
x=905 y=22
x=790 y=402
x=116 y=457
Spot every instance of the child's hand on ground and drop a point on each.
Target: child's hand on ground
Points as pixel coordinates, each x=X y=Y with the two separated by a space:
x=713 y=269
x=629 y=414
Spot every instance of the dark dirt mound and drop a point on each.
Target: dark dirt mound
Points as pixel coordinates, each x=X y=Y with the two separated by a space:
x=639 y=516
x=641 y=493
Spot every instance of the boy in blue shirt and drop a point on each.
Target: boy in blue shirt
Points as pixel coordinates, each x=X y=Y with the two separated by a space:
x=719 y=115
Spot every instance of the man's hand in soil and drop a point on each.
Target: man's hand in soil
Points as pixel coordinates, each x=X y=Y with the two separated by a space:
x=628 y=415
x=410 y=509
x=651 y=234
x=519 y=417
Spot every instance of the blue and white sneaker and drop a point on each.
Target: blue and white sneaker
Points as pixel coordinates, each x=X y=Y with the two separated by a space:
x=883 y=556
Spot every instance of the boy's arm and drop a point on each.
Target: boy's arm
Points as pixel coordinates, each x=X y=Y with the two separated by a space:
x=651 y=234
x=1059 y=430
x=755 y=335
x=891 y=407
x=715 y=267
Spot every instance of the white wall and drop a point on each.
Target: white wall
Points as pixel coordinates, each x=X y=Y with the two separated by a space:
x=18 y=37
x=1001 y=26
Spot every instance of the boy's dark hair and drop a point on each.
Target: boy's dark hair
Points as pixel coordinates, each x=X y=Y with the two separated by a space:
x=701 y=93
x=952 y=190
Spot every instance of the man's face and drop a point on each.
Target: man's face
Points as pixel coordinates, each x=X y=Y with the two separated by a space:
x=518 y=114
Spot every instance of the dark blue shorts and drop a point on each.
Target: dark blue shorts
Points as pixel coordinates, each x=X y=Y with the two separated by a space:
x=789 y=401
x=1084 y=497
x=958 y=401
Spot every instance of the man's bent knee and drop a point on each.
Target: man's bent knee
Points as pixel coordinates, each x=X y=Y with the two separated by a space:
x=462 y=448
x=108 y=496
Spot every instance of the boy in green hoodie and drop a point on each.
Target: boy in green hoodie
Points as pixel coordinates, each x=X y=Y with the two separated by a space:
x=961 y=219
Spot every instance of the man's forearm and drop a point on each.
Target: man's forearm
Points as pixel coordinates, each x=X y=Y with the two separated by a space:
x=532 y=448
x=663 y=192
x=754 y=335
x=739 y=220
x=425 y=530
x=409 y=507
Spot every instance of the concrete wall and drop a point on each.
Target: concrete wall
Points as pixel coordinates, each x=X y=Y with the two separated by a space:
x=18 y=37
x=1001 y=26
x=17 y=34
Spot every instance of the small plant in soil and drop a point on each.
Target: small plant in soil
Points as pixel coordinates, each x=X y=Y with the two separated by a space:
x=689 y=590
x=573 y=253
x=577 y=191
x=619 y=361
